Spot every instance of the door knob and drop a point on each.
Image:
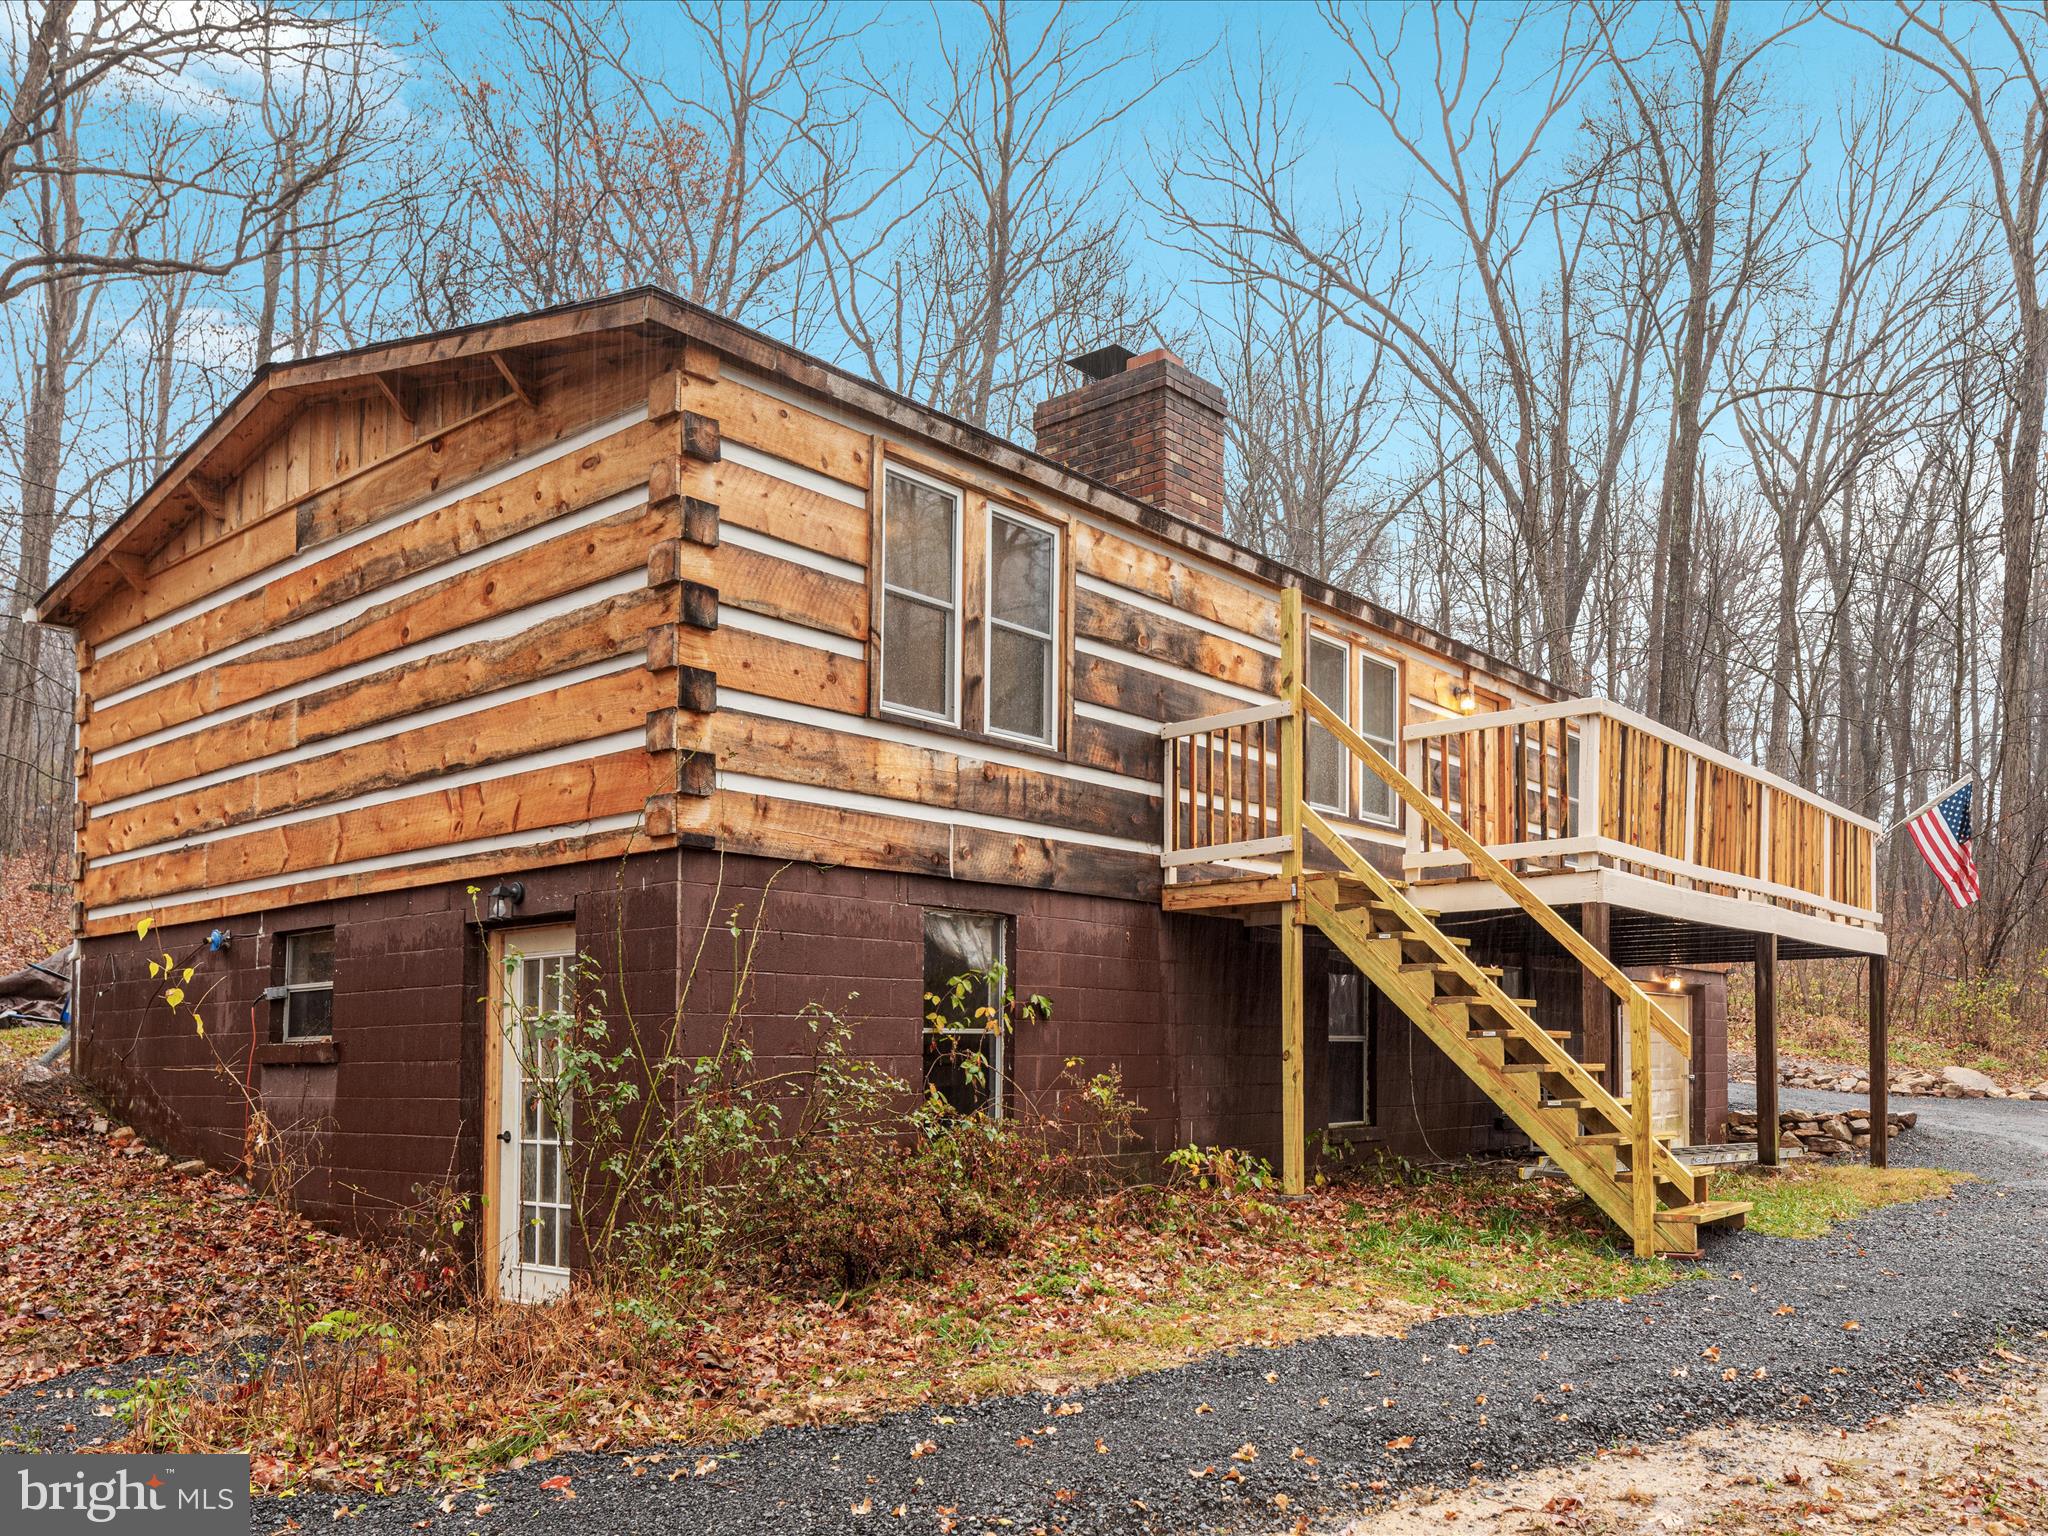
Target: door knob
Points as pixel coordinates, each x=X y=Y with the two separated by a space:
x=505 y=1137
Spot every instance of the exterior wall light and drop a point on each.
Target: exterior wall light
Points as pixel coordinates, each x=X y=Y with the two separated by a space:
x=502 y=904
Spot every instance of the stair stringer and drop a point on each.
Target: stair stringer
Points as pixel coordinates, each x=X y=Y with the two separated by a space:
x=1512 y=1017
x=1541 y=1126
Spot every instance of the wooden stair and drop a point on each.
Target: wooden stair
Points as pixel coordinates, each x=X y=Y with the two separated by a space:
x=1602 y=1144
x=1549 y=1096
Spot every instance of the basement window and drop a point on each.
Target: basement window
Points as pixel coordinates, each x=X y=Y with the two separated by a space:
x=1023 y=621
x=308 y=985
x=920 y=598
x=963 y=1010
x=1350 y=1055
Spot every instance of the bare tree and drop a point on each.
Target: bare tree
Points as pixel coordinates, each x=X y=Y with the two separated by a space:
x=1017 y=259
x=1986 y=59
x=1306 y=421
x=1840 y=377
x=1534 y=344
x=1706 y=162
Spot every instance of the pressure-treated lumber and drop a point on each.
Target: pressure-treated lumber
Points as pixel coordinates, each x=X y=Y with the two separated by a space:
x=1458 y=1004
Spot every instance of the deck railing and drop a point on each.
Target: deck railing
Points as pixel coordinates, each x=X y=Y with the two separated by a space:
x=1586 y=783
x=1233 y=786
x=1223 y=787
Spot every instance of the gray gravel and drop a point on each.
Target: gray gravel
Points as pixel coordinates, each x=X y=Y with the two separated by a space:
x=1932 y=1287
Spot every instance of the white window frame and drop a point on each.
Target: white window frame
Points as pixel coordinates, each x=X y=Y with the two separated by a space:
x=293 y=988
x=1051 y=738
x=1389 y=748
x=1344 y=711
x=953 y=638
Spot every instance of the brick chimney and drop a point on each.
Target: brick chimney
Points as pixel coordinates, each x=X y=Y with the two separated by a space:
x=1147 y=425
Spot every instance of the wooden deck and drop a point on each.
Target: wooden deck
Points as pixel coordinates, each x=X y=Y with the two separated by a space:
x=1221 y=787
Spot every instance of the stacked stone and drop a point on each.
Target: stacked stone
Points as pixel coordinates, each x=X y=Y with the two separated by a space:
x=1948 y=1083
x=1817 y=1134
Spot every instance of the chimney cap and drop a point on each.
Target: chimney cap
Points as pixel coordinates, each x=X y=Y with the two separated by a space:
x=1102 y=363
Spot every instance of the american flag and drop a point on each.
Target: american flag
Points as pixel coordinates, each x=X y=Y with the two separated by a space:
x=1942 y=834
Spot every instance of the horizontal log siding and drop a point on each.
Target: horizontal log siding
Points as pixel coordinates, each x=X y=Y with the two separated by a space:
x=258 y=749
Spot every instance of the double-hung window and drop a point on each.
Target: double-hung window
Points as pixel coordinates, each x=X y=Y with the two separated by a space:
x=920 y=598
x=987 y=581
x=1329 y=765
x=1379 y=722
x=1023 y=628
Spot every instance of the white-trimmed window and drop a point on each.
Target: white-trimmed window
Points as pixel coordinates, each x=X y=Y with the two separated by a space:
x=1022 y=687
x=920 y=598
x=1379 y=722
x=1349 y=1062
x=1329 y=765
x=308 y=985
x=964 y=974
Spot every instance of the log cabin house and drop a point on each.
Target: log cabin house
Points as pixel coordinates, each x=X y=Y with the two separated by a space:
x=579 y=630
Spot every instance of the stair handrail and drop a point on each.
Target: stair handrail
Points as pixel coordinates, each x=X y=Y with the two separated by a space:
x=1648 y=1154
x=1546 y=916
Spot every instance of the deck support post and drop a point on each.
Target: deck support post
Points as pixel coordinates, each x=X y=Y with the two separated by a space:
x=1767 y=1050
x=1597 y=1039
x=1293 y=1043
x=1293 y=1129
x=1880 y=1067
x=1641 y=1158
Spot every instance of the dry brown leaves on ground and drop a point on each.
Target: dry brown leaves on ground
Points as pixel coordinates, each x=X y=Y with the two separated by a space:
x=35 y=910
x=1099 y=1288
x=108 y=1254
x=1975 y=1464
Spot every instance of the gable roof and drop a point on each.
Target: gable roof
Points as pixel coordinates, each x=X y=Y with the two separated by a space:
x=279 y=388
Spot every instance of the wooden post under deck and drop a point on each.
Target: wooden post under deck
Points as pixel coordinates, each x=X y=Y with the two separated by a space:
x=1597 y=1039
x=1767 y=1049
x=1293 y=1045
x=1880 y=1073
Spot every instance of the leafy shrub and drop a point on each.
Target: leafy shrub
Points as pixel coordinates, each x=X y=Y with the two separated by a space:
x=833 y=1173
x=1227 y=1170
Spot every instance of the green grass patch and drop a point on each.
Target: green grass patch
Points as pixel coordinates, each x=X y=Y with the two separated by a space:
x=18 y=1047
x=1808 y=1202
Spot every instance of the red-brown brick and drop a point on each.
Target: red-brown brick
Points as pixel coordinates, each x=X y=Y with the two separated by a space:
x=1153 y=431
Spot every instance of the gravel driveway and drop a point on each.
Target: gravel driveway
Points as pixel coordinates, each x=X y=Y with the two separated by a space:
x=1763 y=1330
